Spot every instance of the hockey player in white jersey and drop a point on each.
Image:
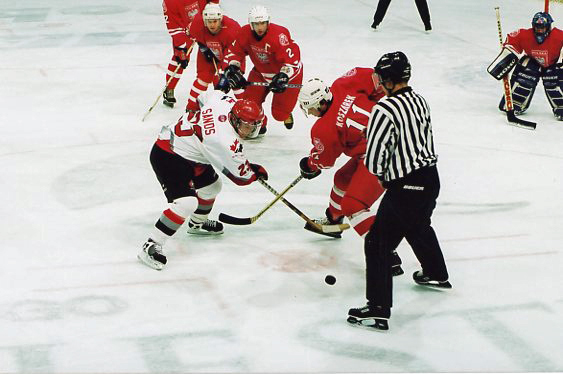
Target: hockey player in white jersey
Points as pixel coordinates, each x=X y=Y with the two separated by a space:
x=185 y=158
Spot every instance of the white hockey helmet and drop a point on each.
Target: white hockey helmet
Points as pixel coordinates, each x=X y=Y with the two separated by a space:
x=312 y=94
x=212 y=11
x=258 y=14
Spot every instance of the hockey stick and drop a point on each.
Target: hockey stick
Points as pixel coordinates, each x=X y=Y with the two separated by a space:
x=247 y=221
x=265 y=84
x=166 y=86
x=321 y=229
x=510 y=115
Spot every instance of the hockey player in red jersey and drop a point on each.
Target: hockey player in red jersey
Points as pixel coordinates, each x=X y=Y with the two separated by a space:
x=343 y=111
x=179 y=15
x=214 y=33
x=185 y=158
x=539 y=48
x=277 y=61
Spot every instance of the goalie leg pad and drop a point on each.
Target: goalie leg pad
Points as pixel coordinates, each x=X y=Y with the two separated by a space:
x=502 y=64
x=523 y=84
x=553 y=85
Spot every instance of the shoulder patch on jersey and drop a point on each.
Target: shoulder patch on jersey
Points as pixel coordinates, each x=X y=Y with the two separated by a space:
x=514 y=33
x=284 y=40
x=350 y=73
x=318 y=145
x=222 y=118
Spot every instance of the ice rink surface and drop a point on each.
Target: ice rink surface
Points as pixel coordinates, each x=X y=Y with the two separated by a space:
x=78 y=198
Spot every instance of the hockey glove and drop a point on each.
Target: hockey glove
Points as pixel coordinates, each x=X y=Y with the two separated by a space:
x=207 y=53
x=306 y=171
x=279 y=83
x=235 y=77
x=223 y=84
x=259 y=171
x=181 y=57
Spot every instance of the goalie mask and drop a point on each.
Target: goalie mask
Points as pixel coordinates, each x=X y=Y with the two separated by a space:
x=246 y=117
x=313 y=94
x=541 y=23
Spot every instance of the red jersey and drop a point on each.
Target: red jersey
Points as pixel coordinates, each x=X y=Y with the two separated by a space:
x=362 y=81
x=179 y=15
x=546 y=53
x=269 y=54
x=218 y=42
x=342 y=128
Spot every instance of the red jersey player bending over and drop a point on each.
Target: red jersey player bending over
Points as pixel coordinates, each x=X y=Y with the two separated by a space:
x=179 y=15
x=184 y=159
x=540 y=50
x=277 y=61
x=214 y=33
x=343 y=112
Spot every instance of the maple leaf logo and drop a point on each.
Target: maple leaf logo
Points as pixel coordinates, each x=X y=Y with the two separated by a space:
x=235 y=146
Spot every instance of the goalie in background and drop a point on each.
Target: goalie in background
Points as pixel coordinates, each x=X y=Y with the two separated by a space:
x=533 y=53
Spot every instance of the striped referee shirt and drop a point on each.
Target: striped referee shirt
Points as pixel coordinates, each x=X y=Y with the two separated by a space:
x=399 y=136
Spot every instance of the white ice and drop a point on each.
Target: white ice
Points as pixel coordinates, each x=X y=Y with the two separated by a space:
x=78 y=198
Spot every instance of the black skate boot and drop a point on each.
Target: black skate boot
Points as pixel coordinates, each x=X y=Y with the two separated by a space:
x=327 y=220
x=207 y=227
x=425 y=280
x=151 y=255
x=370 y=316
x=396 y=262
x=169 y=99
x=288 y=123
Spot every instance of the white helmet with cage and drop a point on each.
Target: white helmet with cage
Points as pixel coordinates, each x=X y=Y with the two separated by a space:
x=312 y=95
x=258 y=14
x=212 y=11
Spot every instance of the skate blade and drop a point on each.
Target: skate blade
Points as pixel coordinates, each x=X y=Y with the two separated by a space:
x=150 y=262
x=204 y=233
x=369 y=323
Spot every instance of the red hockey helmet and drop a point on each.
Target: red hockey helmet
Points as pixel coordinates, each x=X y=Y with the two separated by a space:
x=246 y=117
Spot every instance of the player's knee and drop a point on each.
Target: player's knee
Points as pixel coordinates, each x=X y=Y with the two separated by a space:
x=184 y=206
x=209 y=192
x=527 y=72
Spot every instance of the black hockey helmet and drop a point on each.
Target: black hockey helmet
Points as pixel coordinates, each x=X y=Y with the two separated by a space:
x=541 y=23
x=394 y=67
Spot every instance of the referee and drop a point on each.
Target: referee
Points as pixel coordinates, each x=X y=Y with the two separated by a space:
x=400 y=152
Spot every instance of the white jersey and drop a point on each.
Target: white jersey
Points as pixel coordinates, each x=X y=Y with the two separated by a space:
x=212 y=140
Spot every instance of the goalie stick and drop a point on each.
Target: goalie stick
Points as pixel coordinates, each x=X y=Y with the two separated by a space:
x=510 y=115
x=166 y=86
x=320 y=229
x=225 y=218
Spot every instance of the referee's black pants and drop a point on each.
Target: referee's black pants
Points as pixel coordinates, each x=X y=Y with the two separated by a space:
x=404 y=212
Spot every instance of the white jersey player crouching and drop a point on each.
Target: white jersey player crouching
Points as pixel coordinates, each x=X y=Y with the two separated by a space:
x=184 y=159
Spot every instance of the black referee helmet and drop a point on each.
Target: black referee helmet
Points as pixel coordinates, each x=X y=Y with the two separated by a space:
x=394 y=67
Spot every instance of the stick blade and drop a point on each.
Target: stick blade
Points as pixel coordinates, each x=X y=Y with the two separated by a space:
x=225 y=218
x=515 y=121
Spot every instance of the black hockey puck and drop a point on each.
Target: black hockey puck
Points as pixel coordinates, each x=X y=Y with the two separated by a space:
x=330 y=279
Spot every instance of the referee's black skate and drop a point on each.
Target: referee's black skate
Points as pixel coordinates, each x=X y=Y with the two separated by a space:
x=425 y=280
x=396 y=262
x=375 y=317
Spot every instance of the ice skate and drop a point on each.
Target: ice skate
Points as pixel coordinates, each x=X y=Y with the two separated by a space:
x=288 y=123
x=207 y=227
x=169 y=99
x=151 y=255
x=425 y=280
x=327 y=220
x=375 y=317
